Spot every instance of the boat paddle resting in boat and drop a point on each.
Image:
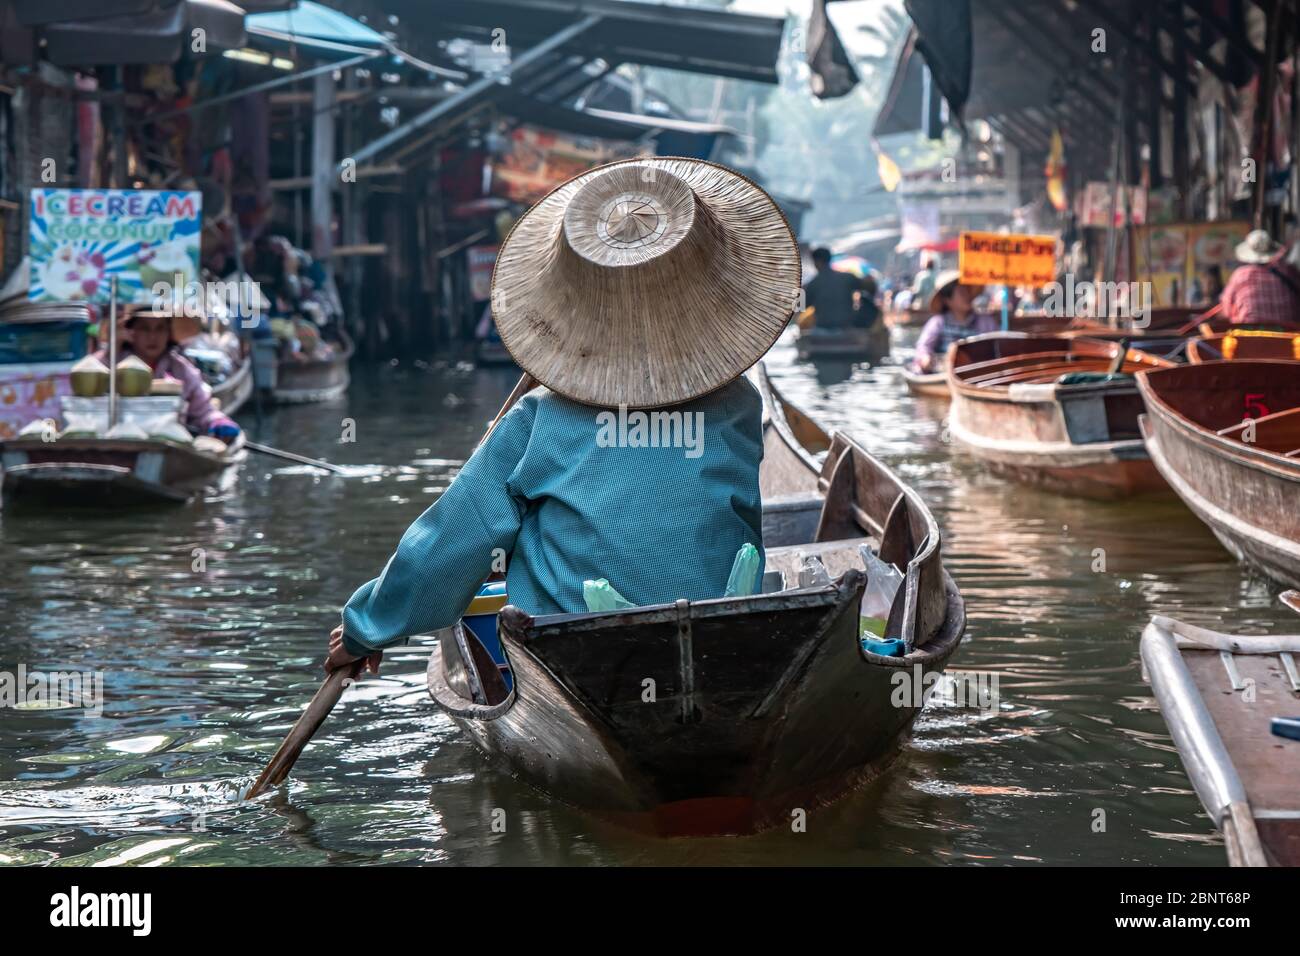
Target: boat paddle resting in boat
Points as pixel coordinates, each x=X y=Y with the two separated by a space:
x=298 y=381
x=865 y=345
x=1244 y=344
x=113 y=472
x=1055 y=411
x=734 y=714
x=1221 y=695
x=1226 y=436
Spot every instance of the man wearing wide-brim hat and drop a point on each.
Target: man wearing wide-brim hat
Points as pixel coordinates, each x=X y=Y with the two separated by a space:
x=1265 y=288
x=637 y=293
x=953 y=318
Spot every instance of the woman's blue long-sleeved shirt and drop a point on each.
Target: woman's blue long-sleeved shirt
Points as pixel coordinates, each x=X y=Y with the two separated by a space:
x=568 y=493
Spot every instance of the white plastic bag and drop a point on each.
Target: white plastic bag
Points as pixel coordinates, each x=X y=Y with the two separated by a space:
x=883 y=580
x=812 y=573
x=46 y=429
x=169 y=428
x=128 y=431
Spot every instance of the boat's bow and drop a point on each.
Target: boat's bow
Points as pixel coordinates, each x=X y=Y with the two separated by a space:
x=1217 y=693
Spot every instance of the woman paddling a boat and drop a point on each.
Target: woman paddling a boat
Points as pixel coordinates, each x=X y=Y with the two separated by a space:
x=648 y=284
x=954 y=319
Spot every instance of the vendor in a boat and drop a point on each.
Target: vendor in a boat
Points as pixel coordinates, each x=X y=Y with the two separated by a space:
x=953 y=319
x=154 y=338
x=636 y=294
x=1265 y=288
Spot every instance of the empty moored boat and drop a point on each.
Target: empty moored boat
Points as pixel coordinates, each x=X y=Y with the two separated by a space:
x=490 y=352
x=315 y=379
x=1244 y=344
x=1053 y=411
x=905 y=318
x=1226 y=436
x=1218 y=694
x=762 y=705
x=235 y=390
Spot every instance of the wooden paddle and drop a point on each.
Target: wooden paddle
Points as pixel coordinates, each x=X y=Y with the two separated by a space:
x=522 y=387
x=290 y=456
x=1203 y=317
x=277 y=770
x=1291 y=599
x=321 y=704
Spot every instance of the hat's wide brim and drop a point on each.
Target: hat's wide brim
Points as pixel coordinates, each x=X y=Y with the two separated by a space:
x=1246 y=254
x=661 y=331
x=946 y=279
x=183 y=326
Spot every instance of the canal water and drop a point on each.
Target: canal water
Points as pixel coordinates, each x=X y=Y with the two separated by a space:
x=208 y=623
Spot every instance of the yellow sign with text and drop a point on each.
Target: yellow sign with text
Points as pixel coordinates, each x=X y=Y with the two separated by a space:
x=999 y=258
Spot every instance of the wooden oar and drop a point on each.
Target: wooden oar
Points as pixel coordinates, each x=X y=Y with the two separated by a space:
x=1291 y=599
x=290 y=456
x=1203 y=317
x=305 y=728
x=522 y=387
x=337 y=680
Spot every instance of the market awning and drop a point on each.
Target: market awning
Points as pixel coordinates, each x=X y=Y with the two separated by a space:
x=664 y=123
x=552 y=43
x=148 y=32
x=715 y=42
x=672 y=137
x=1032 y=66
x=40 y=13
x=315 y=28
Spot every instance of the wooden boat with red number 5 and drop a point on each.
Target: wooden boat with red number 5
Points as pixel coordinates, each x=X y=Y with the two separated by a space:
x=728 y=715
x=1226 y=436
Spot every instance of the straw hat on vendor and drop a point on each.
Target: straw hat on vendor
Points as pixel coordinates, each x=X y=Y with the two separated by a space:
x=180 y=327
x=645 y=282
x=1258 y=248
x=637 y=285
x=945 y=283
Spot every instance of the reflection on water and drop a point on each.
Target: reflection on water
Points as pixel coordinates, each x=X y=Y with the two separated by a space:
x=208 y=623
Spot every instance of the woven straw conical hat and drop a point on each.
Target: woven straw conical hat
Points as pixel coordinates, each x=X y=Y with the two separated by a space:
x=645 y=282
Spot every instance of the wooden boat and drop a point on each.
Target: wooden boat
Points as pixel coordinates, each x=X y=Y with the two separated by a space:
x=492 y=352
x=314 y=380
x=108 y=472
x=235 y=390
x=1244 y=344
x=764 y=705
x=1217 y=693
x=1015 y=406
x=928 y=384
x=905 y=318
x=866 y=345
x=1226 y=436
